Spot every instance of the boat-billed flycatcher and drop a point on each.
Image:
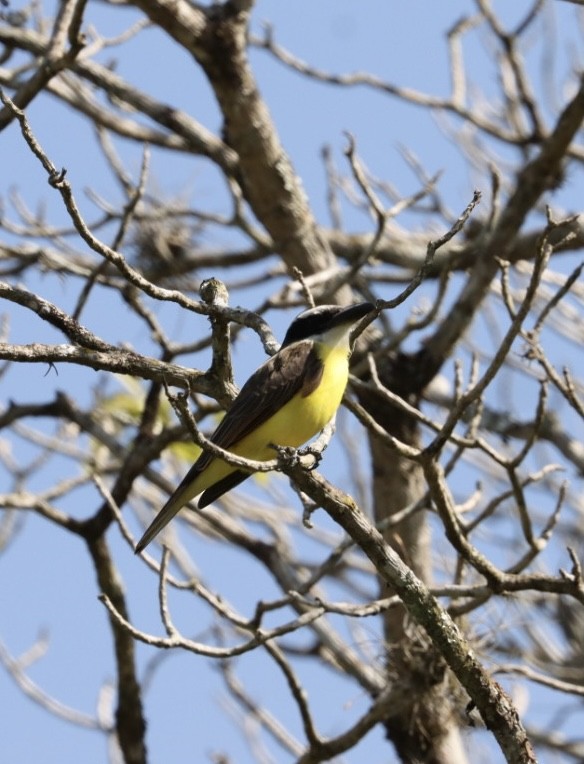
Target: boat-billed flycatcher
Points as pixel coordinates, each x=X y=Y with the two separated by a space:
x=287 y=401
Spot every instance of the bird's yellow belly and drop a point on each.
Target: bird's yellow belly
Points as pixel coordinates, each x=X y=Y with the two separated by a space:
x=302 y=417
x=296 y=422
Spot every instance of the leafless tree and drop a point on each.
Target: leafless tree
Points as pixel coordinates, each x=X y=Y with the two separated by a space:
x=448 y=590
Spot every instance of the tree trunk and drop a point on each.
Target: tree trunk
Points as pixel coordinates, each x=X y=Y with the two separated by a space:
x=425 y=726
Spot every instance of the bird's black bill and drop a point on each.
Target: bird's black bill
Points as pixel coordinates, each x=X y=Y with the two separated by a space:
x=319 y=320
x=352 y=314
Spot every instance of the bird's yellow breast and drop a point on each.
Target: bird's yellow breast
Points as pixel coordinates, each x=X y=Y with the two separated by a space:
x=319 y=407
x=304 y=415
x=296 y=422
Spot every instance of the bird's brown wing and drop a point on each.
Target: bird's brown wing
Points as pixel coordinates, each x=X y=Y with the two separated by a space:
x=271 y=387
x=220 y=487
x=295 y=368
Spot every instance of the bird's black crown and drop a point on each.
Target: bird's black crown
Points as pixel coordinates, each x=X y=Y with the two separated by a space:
x=322 y=318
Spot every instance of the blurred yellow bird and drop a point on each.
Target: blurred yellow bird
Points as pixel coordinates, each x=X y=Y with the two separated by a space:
x=287 y=401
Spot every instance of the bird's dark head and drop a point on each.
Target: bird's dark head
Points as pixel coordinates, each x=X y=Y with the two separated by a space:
x=317 y=321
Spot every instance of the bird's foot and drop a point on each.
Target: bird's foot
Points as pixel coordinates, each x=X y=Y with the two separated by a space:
x=287 y=455
x=307 y=457
x=314 y=453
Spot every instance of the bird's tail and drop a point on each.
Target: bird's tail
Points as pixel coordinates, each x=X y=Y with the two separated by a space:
x=168 y=511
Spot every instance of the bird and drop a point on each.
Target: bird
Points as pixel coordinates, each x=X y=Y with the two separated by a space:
x=288 y=400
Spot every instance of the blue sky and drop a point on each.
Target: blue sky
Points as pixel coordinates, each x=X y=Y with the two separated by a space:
x=46 y=580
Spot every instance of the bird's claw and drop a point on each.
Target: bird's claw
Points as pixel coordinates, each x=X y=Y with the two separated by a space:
x=287 y=455
x=292 y=457
x=316 y=455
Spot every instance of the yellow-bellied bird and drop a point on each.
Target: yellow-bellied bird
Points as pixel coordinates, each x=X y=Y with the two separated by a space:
x=287 y=401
